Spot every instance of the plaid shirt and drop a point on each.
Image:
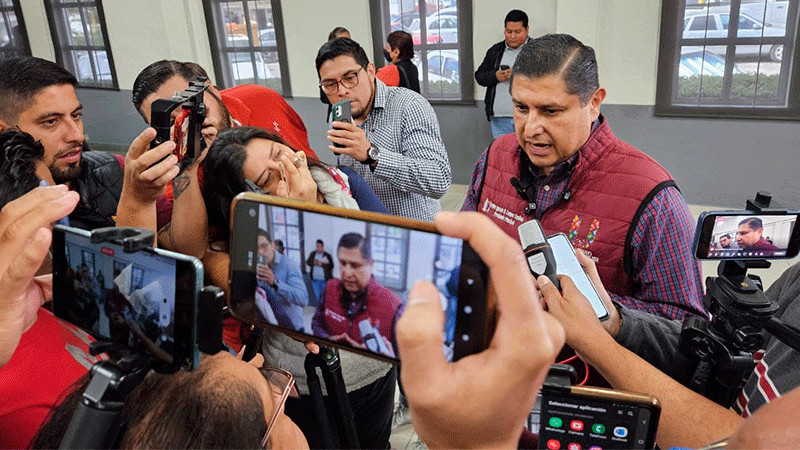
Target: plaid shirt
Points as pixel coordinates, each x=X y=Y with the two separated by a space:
x=413 y=170
x=668 y=279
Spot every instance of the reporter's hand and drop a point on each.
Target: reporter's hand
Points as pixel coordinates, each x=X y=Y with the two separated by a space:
x=296 y=182
x=352 y=137
x=143 y=184
x=614 y=321
x=24 y=241
x=573 y=310
x=482 y=400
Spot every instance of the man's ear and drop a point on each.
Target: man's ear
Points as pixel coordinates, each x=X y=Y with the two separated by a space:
x=594 y=103
x=371 y=71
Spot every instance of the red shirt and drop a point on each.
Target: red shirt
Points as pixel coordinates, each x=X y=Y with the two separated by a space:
x=50 y=357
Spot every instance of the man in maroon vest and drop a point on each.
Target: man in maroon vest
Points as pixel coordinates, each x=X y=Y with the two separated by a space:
x=356 y=308
x=564 y=167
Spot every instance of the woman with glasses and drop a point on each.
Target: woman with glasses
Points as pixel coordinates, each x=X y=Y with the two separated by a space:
x=252 y=159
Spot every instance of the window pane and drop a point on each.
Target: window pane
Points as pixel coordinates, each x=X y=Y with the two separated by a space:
x=13 y=39
x=95 y=32
x=72 y=17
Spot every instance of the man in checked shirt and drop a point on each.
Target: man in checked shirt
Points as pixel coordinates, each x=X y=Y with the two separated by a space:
x=394 y=140
x=564 y=167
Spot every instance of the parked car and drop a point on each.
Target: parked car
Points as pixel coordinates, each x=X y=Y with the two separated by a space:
x=442 y=66
x=101 y=66
x=698 y=63
x=241 y=65
x=445 y=25
x=267 y=39
x=715 y=25
x=433 y=38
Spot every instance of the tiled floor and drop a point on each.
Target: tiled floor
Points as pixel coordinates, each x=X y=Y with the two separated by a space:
x=404 y=437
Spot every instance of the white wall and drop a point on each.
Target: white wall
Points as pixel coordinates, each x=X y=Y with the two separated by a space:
x=623 y=32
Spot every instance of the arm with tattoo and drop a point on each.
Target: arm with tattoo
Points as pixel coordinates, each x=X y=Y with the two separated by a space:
x=188 y=231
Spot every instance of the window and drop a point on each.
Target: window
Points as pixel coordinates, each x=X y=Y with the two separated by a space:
x=444 y=56
x=79 y=35
x=390 y=255
x=13 y=37
x=285 y=225
x=247 y=43
x=729 y=58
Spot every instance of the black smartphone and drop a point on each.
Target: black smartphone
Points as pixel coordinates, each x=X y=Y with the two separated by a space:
x=376 y=259
x=180 y=119
x=567 y=264
x=145 y=300
x=747 y=235
x=583 y=417
x=340 y=112
x=504 y=67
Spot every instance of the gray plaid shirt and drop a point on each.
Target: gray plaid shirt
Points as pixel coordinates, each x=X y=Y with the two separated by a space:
x=413 y=170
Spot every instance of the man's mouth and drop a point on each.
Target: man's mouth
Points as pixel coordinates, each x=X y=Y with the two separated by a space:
x=72 y=156
x=539 y=148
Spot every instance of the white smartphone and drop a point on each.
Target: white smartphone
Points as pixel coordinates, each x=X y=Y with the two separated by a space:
x=567 y=264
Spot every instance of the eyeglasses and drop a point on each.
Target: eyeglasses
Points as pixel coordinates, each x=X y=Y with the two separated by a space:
x=348 y=81
x=282 y=384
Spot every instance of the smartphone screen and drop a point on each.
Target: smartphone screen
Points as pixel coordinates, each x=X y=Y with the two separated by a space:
x=567 y=264
x=141 y=300
x=593 y=418
x=743 y=235
x=344 y=276
x=180 y=135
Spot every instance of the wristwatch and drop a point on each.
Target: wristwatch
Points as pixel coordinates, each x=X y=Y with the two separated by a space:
x=373 y=153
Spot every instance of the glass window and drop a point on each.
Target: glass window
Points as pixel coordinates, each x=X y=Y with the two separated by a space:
x=441 y=32
x=733 y=58
x=79 y=36
x=389 y=247
x=247 y=43
x=13 y=37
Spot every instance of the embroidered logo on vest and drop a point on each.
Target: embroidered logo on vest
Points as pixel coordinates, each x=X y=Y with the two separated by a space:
x=573 y=233
x=334 y=316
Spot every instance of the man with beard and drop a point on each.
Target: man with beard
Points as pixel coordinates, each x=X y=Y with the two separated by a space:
x=245 y=105
x=38 y=97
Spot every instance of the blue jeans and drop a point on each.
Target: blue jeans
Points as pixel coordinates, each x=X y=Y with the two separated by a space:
x=501 y=126
x=319 y=287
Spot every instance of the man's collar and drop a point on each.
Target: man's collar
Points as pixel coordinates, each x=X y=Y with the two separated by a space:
x=381 y=95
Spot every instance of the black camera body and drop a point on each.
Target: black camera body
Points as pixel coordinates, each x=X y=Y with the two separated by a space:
x=185 y=130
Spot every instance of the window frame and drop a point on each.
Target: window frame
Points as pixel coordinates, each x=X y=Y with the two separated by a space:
x=63 y=49
x=217 y=52
x=25 y=49
x=672 y=17
x=398 y=285
x=382 y=27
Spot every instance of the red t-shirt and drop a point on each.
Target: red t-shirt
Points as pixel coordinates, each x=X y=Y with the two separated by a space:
x=389 y=75
x=50 y=357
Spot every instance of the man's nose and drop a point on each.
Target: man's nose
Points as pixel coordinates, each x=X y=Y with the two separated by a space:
x=74 y=131
x=534 y=124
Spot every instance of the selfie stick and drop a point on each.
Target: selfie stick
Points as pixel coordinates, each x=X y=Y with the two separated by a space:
x=721 y=350
x=329 y=363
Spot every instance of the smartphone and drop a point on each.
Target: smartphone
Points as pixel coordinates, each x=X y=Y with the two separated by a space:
x=595 y=418
x=567 y=264
x=377 y=258
x=180 y=119
x=504 y=67
x=340 y=112
x=145 y=300
x=746 y=235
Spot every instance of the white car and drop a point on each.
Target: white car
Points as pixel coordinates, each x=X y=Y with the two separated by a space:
x=241 y=65
x=442 y=66
x=715 y=25
x=445 y=25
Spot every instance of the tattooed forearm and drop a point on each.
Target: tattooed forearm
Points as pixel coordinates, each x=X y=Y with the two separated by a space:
x=180 y=183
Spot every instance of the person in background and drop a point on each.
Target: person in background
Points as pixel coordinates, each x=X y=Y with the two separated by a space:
x=399 y=51
x=494 y=73
x=320 y=263
x=339 y=32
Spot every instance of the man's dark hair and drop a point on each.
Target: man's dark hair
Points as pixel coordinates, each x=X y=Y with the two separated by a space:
x=21 y=78
x=263 y=232
x=339 y=47
x=400 y=40
x=516 y=15
x=726 y=235
x=319 y=241
x=153 y=76
x=754 y=223
x=19 y=154
x=197 y=409
x=356 y=240
x=334 y=34
x=562 y=55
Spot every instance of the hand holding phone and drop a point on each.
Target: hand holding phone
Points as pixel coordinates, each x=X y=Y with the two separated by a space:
x=340 y=112
x=567 y=264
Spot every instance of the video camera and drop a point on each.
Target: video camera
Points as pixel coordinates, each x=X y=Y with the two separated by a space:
x=716 y=356
x=144 y=306
x=185 y=129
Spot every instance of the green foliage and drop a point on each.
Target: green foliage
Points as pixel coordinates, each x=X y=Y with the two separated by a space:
x=743 y=86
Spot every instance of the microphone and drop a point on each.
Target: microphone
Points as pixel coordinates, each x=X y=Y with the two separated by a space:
x=541 y=260
x=372 y=338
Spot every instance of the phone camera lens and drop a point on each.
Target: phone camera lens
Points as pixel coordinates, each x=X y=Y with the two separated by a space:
x=252 y=212
x=465 y=337
x=468 y=309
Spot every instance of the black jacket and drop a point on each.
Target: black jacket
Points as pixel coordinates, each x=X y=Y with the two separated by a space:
x=326 y=268
x=100 y=186
x=485 y=75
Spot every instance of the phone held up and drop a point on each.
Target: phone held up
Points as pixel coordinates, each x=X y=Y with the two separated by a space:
x=567 y=264
x=145 y=301
x=360 y=267
x=724 y=235
x=180 y=119
x=340 y=112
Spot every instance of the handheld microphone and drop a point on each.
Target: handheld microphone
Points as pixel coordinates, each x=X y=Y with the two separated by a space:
x=541 y=260
x=372 y=338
